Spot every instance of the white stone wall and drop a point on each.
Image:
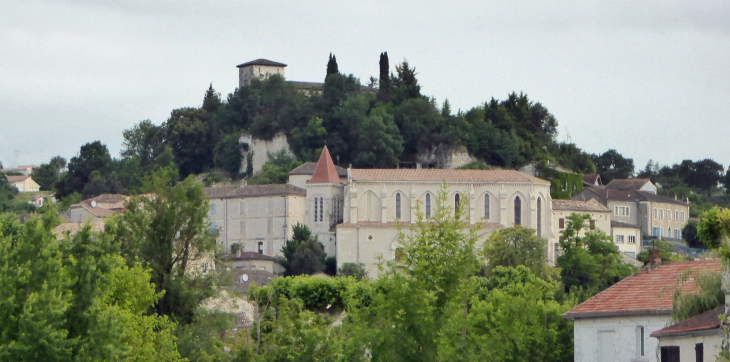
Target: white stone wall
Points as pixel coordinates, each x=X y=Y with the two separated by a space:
x=633 y=217
x=332 y=200
x=622 y=332
x=246 y=74
x=369 y=244
x=375 y=201
x=249 y=221
x=261 y=148
x=711 y=345
x=368 y=202
x=634 y=249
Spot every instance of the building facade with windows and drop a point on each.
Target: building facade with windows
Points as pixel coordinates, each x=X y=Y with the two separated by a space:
x=259 y=217
x=358 y=218
x=617 y=324
x=380 y=203
x=562 y=209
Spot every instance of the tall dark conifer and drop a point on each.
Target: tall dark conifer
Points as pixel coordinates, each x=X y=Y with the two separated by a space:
x=384 y=81
x=332 y=66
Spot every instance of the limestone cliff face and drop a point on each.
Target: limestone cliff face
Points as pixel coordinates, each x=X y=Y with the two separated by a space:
x=259 y=149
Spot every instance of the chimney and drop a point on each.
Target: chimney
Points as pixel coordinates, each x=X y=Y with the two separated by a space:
x=655 y=259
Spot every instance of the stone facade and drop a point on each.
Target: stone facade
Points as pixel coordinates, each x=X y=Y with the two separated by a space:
x=260 y=217
x=260 y=68
x=562 y=209
x=377 y=202
x=260 y=149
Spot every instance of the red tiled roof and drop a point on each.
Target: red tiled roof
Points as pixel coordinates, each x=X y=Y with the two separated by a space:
x=325 y=173
x=591 y=179
x=440 y=175
x=644 y=293
x=704 y=321
x=577 y=205
x=627 y=183
x=262 y=62
x=16 y=178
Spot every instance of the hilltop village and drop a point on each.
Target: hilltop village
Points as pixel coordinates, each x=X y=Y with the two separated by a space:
x=342 y=221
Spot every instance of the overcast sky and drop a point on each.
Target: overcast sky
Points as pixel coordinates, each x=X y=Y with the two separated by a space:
x=648 y=78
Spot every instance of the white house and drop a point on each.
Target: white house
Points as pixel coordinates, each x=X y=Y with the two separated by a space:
x=616 y=324
x=696 y=339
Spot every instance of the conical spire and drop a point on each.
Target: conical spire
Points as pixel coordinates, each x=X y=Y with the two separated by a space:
x=325 y=173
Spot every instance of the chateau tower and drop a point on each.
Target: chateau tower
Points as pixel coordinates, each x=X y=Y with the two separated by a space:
x=259 y=68
x=325 y=202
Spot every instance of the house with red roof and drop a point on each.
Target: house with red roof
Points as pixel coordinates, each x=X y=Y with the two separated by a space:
x=695 y=339
x=618 y=323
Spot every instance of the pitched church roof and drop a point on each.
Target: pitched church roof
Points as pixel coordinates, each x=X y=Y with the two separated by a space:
x=325 y=173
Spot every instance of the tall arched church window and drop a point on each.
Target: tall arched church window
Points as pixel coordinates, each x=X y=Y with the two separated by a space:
x=486 y=206
x=539 y=217
x=321 y=209
x=428 y=206
x=518 y=211
x=315 y=209
x=397 y=205
x=457 y=199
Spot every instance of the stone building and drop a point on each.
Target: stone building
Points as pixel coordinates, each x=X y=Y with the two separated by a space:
x=356 y=214
x=258 y=69
x=378 y=201
x=562 y=209
x=259 y=217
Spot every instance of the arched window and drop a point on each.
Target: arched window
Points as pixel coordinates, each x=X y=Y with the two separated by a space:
x=518 y=211
x=321 y=209
x=315 y=209
x=457 y=199
x=397 y=205
x=539 y=217
x=428 y=206
x=486 y=206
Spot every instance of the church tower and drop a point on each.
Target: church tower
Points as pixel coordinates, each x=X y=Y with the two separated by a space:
x=325 y=202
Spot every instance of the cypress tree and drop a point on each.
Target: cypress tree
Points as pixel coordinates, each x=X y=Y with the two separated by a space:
x=384 y=91
x=332 y=66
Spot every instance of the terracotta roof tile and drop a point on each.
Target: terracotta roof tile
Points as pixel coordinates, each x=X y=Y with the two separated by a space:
x=440 y=175
x=252 y=191
x=577 y=205
x=627 y=183
x=308 y=168
x=704 y=321
x=325 y=173
x=265 y=62
x=16 y=178
x=644 y=293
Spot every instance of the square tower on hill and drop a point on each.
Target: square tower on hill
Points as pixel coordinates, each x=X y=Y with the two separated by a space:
x=260 y=69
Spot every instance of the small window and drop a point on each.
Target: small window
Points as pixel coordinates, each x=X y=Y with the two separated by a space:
x=212 y=208
x=261 y=249
x=593 y=224
x=699 y=352
x=632 y=239
x=641 y=350
x=561 y=223
x=428 y=206
x=669 y=215
x=656 y=214
x=213 y=226
x=457 y=199
x=682 y=215
x=518 y=211
x=669 y=354
x=397 y=206
x=676 y=215
x=486 y=206
x=619 y=239
x=669 y=232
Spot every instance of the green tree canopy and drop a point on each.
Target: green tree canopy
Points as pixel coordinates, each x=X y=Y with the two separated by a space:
x=92 y=157
x=515 y=246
